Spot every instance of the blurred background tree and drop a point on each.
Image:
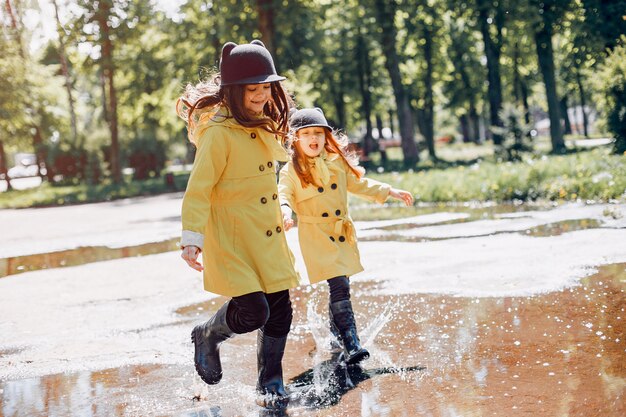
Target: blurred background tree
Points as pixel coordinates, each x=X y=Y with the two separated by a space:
x=93 y=92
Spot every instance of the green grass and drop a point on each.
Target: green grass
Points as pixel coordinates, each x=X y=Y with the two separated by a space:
x=588 y=175
x=58 y=195
x=466 y=172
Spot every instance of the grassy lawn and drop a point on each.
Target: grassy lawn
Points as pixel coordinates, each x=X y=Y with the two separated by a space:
x=588 y=175
x=57 y=195
x=465 y=172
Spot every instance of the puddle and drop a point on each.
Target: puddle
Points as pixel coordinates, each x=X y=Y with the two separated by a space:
x=544 y=230
x=80 y=256
x=558 y=228
x=556 y=354
x=477 y=211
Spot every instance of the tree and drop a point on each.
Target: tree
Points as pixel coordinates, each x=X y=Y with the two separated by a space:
x=463 y=88
x=386 y=11
x=491 y=13
x=611 y=94
x=549 y=13
x=65 y=70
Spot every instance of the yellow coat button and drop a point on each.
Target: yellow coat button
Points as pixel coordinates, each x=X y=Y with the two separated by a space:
x=324 y=214
x=320 y=189
x=261 y=167
x=342 y=239
x=270 y=164
x=263 y=200
x=279 y=229
x=333 y=186
x=253 y=135
x=274 y=196
x=338 y=212
x=332 y=238
x=268 y=233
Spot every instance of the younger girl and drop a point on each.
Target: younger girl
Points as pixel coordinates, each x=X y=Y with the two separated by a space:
x=315 y=184
x=231 y=214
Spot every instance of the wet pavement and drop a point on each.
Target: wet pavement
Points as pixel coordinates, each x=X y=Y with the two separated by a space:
x=467 y=311
x=556 y=354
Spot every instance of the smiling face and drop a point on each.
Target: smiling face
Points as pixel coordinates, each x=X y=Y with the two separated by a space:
x=311 y=140
x=255 y=97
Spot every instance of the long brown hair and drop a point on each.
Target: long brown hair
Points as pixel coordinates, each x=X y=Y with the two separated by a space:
x=207 y=96
x=336 y=143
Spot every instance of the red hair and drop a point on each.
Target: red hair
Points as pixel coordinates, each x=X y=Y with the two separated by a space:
x=336 y=143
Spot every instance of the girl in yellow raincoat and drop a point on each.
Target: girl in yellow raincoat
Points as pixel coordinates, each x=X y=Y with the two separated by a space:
x=315 y=184
x=231 y=213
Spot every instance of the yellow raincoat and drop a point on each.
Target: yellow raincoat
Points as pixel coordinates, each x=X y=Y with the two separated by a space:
x=325 y=230
x=231 y=209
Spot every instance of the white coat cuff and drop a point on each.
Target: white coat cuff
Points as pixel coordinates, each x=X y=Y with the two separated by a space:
x=190 y=238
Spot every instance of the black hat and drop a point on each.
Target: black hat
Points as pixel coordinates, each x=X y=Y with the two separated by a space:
x=312 y=117
x=250 y=63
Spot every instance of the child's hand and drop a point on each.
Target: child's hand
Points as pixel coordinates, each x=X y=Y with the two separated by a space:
x=190 y=255
x=402 y=195
x=288 y=222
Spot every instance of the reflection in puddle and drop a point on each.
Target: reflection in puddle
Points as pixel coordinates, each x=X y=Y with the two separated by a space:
x=555 y=354
x=544 y=230
x=80 y=256
x=367 y=212
x=558 y=228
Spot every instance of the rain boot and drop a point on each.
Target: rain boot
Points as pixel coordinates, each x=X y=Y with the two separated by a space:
x=344 y=320
x=207 y=338
x=335 y=339
x=270 y=389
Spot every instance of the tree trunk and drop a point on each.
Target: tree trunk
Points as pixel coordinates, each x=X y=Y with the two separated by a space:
x=581 y=91
x=385 y=13
x=465 y=129
x=492 y=52
x=66 y=74
x=429 y=125
x=4 y=167
x=474 y=123
x=381 y=148
x=365 y=75
x=108 y=69
x=265 y=10
x=39 y=152
x=392 y=128
x=545 y=54
x=567 y=125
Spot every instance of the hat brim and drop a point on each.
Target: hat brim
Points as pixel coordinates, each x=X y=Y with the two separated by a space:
x=296 y=128
x=262 y=79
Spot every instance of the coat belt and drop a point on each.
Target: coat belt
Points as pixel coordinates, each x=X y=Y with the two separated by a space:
x=343 y=225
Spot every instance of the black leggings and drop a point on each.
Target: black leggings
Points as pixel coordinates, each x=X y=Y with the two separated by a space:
x=258 y=310
x=339 y=289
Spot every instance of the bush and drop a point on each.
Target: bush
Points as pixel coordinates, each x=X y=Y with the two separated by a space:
x=611 y=97
x=515 y=133
x=147 y=158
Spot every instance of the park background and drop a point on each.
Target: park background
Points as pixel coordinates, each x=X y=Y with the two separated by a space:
x=467 y=100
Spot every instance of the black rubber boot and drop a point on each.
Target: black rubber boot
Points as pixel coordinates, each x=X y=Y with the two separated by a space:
x=343 y=317
x=335 y=338
x=270 y=388
x=207 y=338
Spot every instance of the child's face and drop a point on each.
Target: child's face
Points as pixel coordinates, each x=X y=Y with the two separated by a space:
x=311 y=140
x=255 y=96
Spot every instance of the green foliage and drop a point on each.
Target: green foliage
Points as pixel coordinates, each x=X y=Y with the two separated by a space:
x=611 y=86
x=593 y=175
x=515 y=133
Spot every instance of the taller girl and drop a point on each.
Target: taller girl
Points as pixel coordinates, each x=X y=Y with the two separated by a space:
x=231 y=213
